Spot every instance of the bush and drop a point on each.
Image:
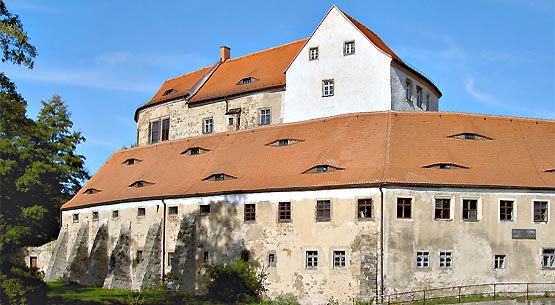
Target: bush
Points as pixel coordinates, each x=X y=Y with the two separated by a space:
x=236 y=282
x=22 y=287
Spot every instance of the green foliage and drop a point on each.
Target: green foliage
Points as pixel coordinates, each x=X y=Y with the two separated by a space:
x=13 y=40
x=282 y=299
x=21 y=287
x=235 y=282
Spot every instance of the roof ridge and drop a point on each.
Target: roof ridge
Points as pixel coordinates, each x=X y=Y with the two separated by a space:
x=266 y=50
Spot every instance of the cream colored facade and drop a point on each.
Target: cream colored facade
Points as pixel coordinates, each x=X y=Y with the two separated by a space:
x=193 y=237
x=188 y=120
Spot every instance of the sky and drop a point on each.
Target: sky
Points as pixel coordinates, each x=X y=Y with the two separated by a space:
x=106 y=58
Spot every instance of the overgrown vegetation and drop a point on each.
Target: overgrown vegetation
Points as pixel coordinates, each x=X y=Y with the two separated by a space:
x=39 y=169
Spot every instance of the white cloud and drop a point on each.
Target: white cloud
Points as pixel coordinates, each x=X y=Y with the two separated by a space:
x=483 y=97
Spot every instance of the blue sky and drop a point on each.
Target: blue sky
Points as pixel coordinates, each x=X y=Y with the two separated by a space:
x=106 y=58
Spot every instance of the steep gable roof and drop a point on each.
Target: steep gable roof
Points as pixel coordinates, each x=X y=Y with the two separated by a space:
x=370 y=149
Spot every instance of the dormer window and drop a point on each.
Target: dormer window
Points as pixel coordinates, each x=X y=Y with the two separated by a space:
x=131 y=161
x=321 y=169
x=169 y=92
x=91 y=191
x=551 y=170
x=219 y=177
x=140 y=183
x=446 y=166
x=284 y=142
x=247 y=80
x=196 y=150
x=469 y=136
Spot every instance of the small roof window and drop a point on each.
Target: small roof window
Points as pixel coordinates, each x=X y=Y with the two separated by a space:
x=131 y=161
x=140 y=183
x=446 y=166
x=469 y=136
x=169 y=92
x=219 y=177
x=322 y=168
x=247 y=80
x=551 y=170
x=195 y=150
x=91 y=191
x=283 y=142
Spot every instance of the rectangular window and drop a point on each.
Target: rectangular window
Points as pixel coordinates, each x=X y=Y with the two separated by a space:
x=204 y=209
x=442 y=208
x=141 y=212
x=404 y=208
x=313 y=53
x=95 y=216
x=548 y=258
x=154 y=132
x=408 y=89
x=311 y=259
x=339 y=260
x=323 y=210
x=139 y=256
x=272 y=259
x=470 y=210
x=230 y=121
x=422 y=259
x=172 y=211
x=418 y=96
x=499 y=261
x=364 y=208
x=165 y=129
x=540 y=211
x=349 y=48
x=506 y=210
x=115 y=214
x=75 y=218
x=170 y=259
x=208 y=126
x=427 y=102
x=328 y=87
x=265 y=117
x=445 y=259
x=250 y=212
x=284 y=211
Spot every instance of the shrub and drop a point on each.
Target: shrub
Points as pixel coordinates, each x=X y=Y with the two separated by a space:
x=234 y=282
x=22 y=287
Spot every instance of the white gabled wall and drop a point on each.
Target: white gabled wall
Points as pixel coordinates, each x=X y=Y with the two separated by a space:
x=362 y=80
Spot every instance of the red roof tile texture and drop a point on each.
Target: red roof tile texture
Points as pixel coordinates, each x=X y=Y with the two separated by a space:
x=371 y=148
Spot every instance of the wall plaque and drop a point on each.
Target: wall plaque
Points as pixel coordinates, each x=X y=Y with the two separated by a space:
x=524 y=233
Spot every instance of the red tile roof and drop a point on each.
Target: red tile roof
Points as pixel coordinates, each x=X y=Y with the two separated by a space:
x=371 y=148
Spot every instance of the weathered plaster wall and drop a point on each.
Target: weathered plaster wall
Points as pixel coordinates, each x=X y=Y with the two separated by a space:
x=362 y=80
x=399 y=101
x=473 y=244
x=187 y=121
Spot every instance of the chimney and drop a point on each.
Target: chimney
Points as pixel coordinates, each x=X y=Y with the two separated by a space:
x=224 y=53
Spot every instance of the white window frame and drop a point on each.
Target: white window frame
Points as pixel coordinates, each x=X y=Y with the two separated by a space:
x=313 y=53
x=478 y=209
x=419 y=96
x=514 y=211
x=207 y=125
x=445 y=259
x=265 y=116
x=160 y=130
x=451 y=208
x=548 y=260
x=499 y=261
x=349 y=48
x=422 y=259
x=408 y=89
x=344 y=256
x=547 y=212
x=311 y=260
x=328 y=87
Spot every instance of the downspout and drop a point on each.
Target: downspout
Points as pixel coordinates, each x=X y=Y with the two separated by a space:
x=164 y=242
x=381 y=275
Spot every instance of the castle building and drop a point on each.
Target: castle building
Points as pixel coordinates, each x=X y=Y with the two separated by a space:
x=358 y=187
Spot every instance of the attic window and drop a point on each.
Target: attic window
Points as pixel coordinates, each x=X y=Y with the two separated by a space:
x=552 y=170
x=219 y=177
x=445 y=166
x=284 y=142
x=140 y=183
x=247 y=80
x=91 y=191
x=192 y=151
x=169 y=91
x=323 y=168
x=470 y=136
x=131 y=161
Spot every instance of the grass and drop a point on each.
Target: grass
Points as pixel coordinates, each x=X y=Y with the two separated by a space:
x=476 y=298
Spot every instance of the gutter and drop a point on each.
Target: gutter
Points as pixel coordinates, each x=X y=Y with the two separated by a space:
x=381 y=245
x=163 y=274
